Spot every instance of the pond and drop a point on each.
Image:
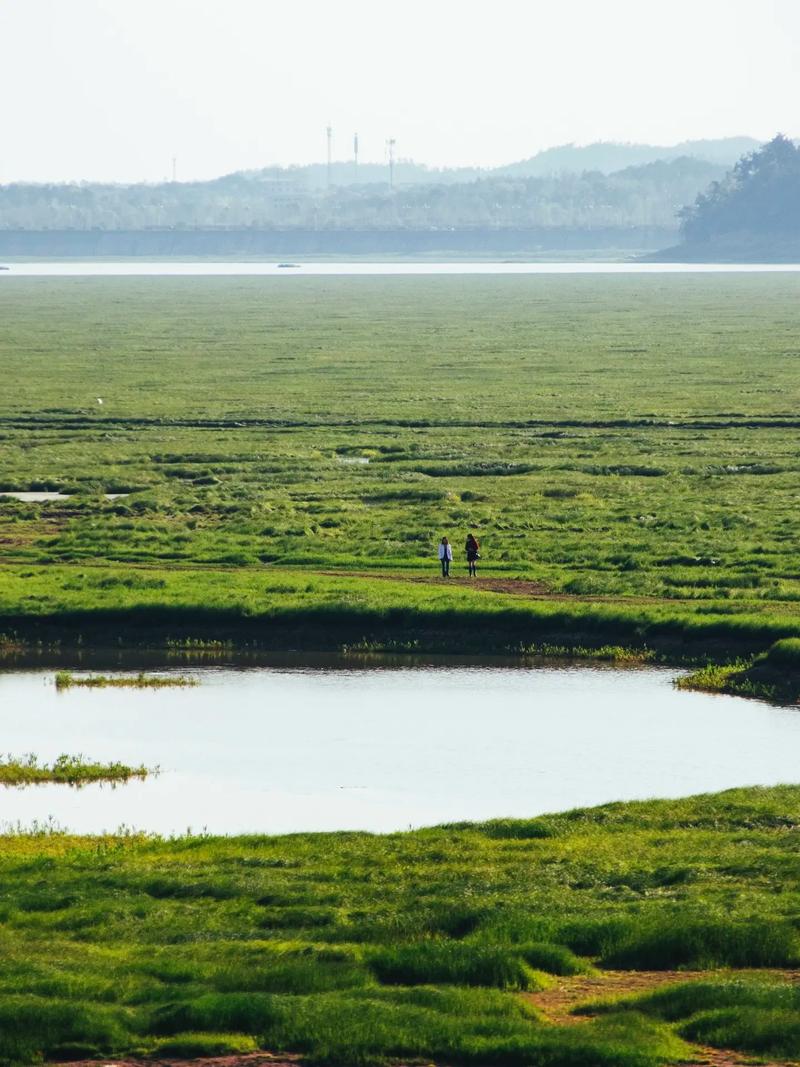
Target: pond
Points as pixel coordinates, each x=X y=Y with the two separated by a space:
x=308 y=745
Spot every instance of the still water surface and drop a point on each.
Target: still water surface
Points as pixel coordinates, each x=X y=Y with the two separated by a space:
x=131 y=268
x=304 y=748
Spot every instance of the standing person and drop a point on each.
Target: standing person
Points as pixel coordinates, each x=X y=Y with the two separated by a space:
x=473 y=547
x=445 y=556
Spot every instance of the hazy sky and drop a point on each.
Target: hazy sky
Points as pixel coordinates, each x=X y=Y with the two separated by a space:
x=113 y=89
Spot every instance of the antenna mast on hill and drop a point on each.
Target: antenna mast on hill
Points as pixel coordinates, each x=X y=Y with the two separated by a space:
x=329 y=133
x=390 y=145
x=174 y=168
x=355 y=155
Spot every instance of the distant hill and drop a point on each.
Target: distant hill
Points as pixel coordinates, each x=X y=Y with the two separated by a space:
x=606 y=157
x=642 y=196
x=752 y=215
x=609 y=156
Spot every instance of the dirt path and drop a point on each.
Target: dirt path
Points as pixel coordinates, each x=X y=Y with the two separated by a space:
x=557 y=1003
x=526 y=587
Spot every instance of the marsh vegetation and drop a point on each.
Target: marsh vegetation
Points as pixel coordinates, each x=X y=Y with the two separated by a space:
x=579 y=423
x=69 y=680
x=625 y=448
x=351 y=948
x=66 y=770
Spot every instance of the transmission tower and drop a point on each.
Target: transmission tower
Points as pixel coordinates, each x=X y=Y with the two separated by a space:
x=390 y=145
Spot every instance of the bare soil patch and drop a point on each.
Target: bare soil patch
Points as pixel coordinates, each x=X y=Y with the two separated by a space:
x=527 y=587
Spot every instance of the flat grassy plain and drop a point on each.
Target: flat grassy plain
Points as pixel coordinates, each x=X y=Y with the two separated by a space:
x=353 y=949
x=628 y=438
x=293 y=450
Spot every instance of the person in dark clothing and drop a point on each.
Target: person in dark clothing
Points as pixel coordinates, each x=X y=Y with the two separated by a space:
x=445 y=556
x=473 y=547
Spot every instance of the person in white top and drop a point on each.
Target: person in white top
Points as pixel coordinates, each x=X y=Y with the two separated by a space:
x=445 y=556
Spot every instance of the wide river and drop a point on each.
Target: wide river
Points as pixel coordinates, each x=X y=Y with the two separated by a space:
x=311 y=747
x=133 y=268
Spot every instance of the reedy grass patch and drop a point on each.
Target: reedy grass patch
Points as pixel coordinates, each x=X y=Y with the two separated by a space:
x=69 y=680
x=68 y=770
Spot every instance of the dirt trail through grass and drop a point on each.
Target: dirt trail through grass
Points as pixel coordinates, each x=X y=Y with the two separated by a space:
x=526 y=587
x=558 y=1002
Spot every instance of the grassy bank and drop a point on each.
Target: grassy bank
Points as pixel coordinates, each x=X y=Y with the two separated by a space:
x=773 y=676
x=192 y=609
x=351 y=948
x=66 y=770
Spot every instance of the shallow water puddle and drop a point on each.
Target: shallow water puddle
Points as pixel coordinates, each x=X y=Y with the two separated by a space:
x=34 y=498
x=317 y=748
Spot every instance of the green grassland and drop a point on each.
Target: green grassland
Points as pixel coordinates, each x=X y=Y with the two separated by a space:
x=628 y=442
x=628 y=438
x=351 y=948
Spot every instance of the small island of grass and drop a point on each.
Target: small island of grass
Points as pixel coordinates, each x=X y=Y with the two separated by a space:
x=66 y=770
x=68 y=680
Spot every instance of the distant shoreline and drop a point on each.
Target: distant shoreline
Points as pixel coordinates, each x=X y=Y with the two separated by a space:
x=536 y=242
x=732 y=248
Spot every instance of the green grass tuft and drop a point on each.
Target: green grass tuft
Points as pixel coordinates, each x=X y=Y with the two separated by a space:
x=68 y=680
x=68 y=770
x=432 y=962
